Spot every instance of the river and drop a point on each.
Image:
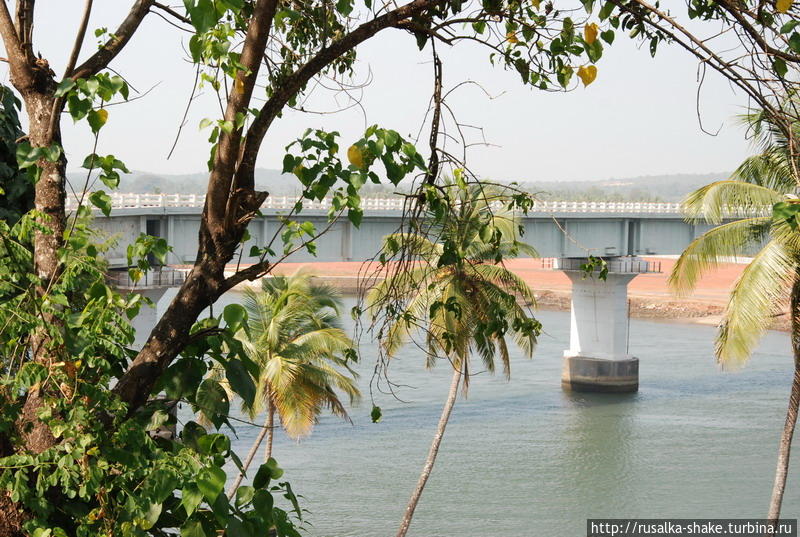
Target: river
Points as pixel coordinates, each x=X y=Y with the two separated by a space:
x=522 y=458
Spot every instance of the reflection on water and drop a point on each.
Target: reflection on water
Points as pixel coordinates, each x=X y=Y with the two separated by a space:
x=523 y=458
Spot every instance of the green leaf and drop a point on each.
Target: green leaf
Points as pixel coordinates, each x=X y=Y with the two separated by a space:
x=28 y=155
x=191 y=498
x=64 y=87
x=212 y=401
x=263 y=503
x=160 y=484
x=244 y=495
x=151 y=516
x=779 y=65
x=97 y=118
x=241 y=381
x=268 y=470
x=235 y=316
x=786 y=211
x=794 y=42
x=29 y=374
x=213 y=444
x=376 y=414
x=211 y=481
x=355 y=216
x=102 y=201
x=192 y=528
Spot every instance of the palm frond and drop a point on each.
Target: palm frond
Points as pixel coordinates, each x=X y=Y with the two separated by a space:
x=714 y=247
x=756 y=296
x=725 y=199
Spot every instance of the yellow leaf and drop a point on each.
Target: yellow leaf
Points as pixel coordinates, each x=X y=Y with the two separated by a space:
x=103 y=115
x=355 y=156
x=590 y=33
x=536 y=3
x=239 y=85
x=587 y=74
x=782 y=6
x=512 y=37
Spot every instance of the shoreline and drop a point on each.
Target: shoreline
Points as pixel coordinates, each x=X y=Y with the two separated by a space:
x=657 y=308
x=649 y=295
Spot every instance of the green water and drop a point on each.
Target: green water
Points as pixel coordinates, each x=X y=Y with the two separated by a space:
x=523 y=458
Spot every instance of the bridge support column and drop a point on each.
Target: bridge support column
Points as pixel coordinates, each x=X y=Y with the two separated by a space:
x=597 y=359
x=148 y=315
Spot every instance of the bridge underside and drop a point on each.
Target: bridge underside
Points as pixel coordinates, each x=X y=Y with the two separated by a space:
x=552 y=235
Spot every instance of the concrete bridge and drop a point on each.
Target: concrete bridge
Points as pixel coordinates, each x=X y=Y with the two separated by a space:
x=555 y=229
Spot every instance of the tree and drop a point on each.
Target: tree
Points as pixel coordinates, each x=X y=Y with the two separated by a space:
x=295 y=338
x=767 y=179
x=260 y=56
x=459 y=294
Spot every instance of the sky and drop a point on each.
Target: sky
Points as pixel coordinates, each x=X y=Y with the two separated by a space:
x=640 y=116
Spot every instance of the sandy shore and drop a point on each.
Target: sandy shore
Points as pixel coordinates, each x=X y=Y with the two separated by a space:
x=649 y=294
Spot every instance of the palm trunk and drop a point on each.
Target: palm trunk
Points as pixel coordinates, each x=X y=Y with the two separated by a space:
x=271 y=430
x=784 y=450
x=434 y=450
x=265 y=429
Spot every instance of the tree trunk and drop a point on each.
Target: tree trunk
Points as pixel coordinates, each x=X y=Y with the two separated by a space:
x=784 y=450
x=266 y=429
x=50 y=197
x=270 y=429
x=434 y=450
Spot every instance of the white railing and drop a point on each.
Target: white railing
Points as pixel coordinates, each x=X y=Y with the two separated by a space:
x=146 y=201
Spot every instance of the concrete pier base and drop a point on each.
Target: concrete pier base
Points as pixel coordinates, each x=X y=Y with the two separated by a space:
x=585 y=374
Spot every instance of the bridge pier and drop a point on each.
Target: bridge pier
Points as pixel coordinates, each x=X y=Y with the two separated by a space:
x=148 y=315
x=597 y=359
x=154 y=284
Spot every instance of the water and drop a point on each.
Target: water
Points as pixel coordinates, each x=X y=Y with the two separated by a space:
x=523 y=458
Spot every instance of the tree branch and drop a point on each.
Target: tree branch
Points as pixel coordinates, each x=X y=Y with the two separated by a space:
x=172 y=13
x=220 y=181
x=21 y=70
x=79 y=36
x=100 y=59
x=25 y=26
x=295 y=82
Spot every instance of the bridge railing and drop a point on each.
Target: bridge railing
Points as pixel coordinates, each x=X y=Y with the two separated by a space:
x=162 y=277
x=146 y=201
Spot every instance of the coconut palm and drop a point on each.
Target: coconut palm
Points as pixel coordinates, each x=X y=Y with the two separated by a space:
x=303 y=354
x=459 y=296
x=742 y=209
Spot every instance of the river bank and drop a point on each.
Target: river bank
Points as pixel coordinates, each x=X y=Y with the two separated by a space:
x=650 y=296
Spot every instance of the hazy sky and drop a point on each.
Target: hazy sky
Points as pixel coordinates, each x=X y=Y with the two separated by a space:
x=638 y=118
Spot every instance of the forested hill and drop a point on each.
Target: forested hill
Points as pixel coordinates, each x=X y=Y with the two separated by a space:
x=644 y=188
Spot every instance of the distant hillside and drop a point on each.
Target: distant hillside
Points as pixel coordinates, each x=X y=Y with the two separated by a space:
x=644 y=188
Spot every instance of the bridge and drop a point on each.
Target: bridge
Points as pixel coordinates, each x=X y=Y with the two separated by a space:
x=555 y=229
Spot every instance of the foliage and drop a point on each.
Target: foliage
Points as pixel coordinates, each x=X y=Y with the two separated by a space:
x=456 y=289
x=740 y=209
x=16 y=190
x=108 y=473
x=295 y=338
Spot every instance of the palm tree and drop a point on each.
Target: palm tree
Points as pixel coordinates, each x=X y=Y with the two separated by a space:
x=459 y=296
x=303 y=355
x=766 y=180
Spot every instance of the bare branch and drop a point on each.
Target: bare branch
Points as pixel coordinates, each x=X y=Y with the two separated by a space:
x=100 y=59
x=295 y=82
x=79 y=36
x=21 y=70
